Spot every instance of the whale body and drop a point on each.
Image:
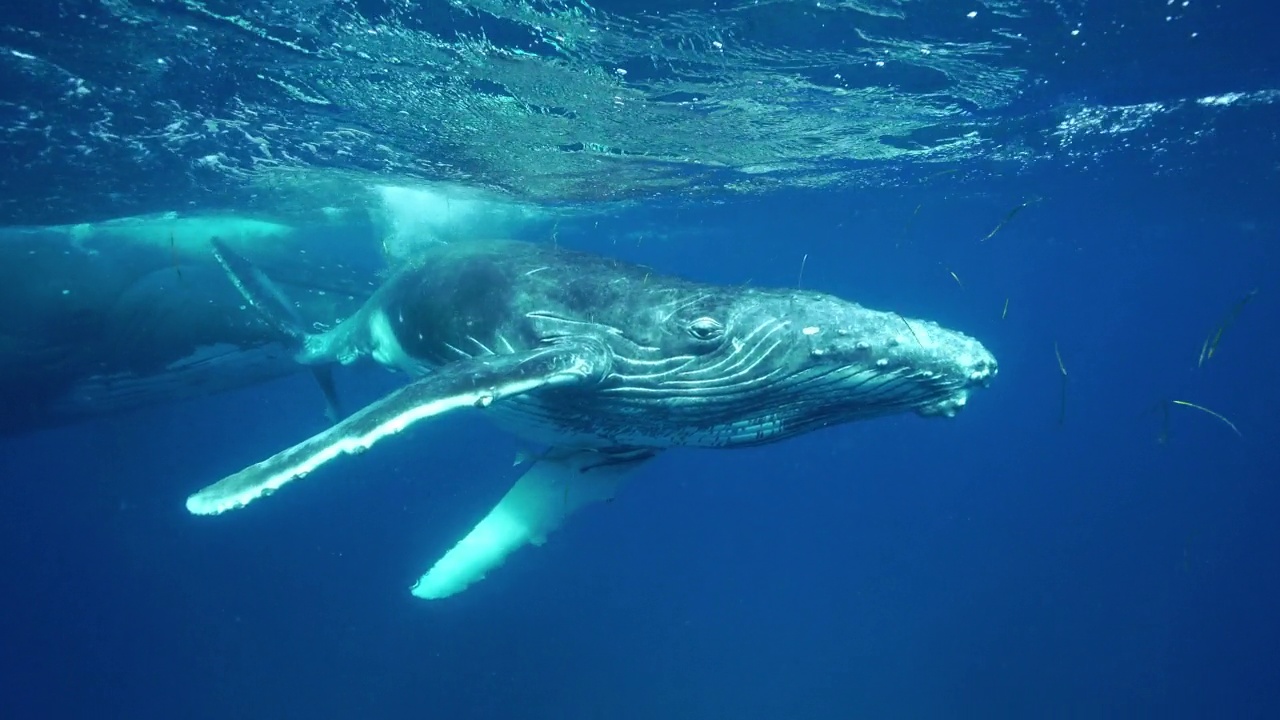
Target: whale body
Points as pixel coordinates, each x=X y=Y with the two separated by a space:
x=604 y=362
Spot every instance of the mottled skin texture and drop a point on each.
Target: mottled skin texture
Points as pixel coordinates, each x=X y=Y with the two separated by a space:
x=683 y=363
x=486 y=291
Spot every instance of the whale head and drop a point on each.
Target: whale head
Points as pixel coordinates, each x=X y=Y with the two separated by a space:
x=750 y=366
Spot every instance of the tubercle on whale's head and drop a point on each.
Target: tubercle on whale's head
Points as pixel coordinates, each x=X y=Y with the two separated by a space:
x=845 y=361
x=889 y=358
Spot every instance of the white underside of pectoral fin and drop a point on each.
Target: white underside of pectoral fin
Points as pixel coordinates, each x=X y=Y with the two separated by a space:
x=551 y=490
x=475 y=383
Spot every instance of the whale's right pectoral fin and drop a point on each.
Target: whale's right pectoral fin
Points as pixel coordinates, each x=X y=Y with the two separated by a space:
x=556 y=486
x=471 y=383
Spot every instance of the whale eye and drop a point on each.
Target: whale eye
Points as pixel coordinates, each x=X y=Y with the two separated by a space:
x=705 y=328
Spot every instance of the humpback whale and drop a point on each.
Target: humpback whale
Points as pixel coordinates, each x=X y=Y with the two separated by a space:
x=110 y=316
x=605 y=363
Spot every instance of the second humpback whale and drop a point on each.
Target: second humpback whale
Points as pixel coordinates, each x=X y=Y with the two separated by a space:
x=607 y=364
x=106 y=317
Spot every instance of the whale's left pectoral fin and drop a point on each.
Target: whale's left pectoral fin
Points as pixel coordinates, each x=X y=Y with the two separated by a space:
x=472 y=383
x=551 y=490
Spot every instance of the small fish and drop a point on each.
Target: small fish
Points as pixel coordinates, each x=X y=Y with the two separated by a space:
x=906 y=228
x=1062 y=405
x=1210 y=345
x=173 y=250
x=1009 y=216
x=1005 y=312
x=1204 y=409
x=956 y=278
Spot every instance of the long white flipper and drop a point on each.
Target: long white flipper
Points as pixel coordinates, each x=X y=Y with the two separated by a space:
x=472 y=383
x=552 y=490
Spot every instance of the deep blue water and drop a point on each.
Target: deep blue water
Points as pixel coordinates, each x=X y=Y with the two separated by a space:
x=1002 y=564
x=1113 y=555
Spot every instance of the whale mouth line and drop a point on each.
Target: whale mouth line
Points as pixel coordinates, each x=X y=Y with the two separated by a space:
x=771 y=406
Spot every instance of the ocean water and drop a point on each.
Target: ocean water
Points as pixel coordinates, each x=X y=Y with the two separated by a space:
x=1088 y=189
